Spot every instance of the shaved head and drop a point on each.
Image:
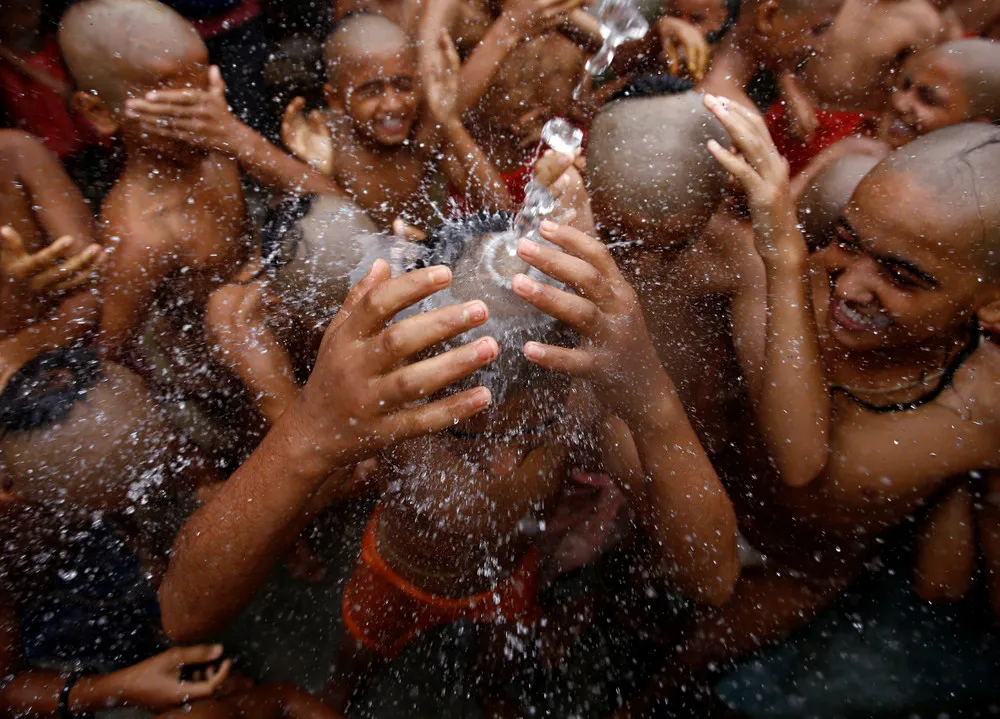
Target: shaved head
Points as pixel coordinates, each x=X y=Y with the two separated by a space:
x=825 y=198
x=649 y=169
x=360 y=36
x=977 y=64
x=960 y=167
x=112 y=47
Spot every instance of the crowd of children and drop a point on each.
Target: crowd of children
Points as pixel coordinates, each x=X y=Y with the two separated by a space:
x=270 y=322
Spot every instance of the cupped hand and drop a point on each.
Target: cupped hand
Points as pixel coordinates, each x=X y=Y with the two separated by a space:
x=54 y=269
x=158 y=683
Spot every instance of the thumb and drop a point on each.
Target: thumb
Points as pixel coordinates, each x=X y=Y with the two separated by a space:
x=12 y=241
x=216 y=84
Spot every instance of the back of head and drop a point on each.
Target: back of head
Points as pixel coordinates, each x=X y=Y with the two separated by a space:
x=651 y=177
x=958 y=166
x=480 y=251
x=312 y=245
x=81 y=432
x=829 y=192
x=359 y=35
x=977 y=63
x=114 y=47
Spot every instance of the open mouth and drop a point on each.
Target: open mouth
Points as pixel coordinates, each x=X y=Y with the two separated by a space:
x=392 y=125
x=898 y=129
x=854 y=321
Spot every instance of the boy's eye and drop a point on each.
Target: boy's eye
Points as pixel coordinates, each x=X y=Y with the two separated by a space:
x=822 y=28
x=901 y=277
x=696 y=17
x=928 y=96
x=906 y=83
x=403 y=84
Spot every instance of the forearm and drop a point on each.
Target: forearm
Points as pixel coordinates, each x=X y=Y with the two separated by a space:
x=470 y=172
x=36 y=692
x=478 y=70
x=793 y=408
x=226 y=549
x=275 y=168
x=688 y=512
x=72 y=320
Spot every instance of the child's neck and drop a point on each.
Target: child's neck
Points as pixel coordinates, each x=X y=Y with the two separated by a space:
x=892 y=368
x=736 y=63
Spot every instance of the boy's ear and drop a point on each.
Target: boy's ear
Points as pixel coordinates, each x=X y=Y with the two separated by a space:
x=332 y=99
x=989 y=316
x=764 y=17
x=94 y=112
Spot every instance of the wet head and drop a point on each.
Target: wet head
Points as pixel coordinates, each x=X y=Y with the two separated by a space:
x=915 y=257
x=117 y=50
x=312 y=249
x=787 y=32
x=651 y=178
x=955 y=82
x=77 y=433
x=824 y=200
x=371 y=69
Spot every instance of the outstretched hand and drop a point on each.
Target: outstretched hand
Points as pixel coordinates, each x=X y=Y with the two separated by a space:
x=362 y=396
x=762 y=172
x=441 y=83
x=54 y=269
x=307 y=136
x=159 y=682
x=200 y=118
x=617 y=354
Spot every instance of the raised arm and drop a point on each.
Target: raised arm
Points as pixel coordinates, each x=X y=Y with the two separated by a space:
x=359 y=399
x=687 y=513
x=792 y=406
x=468 y=169
x=203 y=119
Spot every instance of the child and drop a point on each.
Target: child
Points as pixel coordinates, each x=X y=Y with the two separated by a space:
x=887 y=333
x=176 y=219
x=46 y=254
x=385 y=135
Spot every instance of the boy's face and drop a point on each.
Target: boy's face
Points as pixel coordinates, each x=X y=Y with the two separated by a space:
x=898 y=267
x=379 y=93
x=706 y=15
x=790 y=40
x=928 y=95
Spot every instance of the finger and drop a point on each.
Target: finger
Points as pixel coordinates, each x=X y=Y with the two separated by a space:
x=745 y=136
x=422 y=379
x=65 y=269
x=172 y=97
x=551 y=167
x=174 y=126
x=736 y=166
x=379 y=272
x=579 y=313
x=377 y=308
x=580 y=244
x=402 y=340
x=151 y=111
x=58 y=250
x=452 y=61
x=293 y=112
x=561 y=266
x=216 y=85
x=436 y=416
x=197 y=654
x=205 y=688
x=12 y=242
x=575 y=362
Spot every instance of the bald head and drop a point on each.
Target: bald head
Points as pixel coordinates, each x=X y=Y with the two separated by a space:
x=114 y=47
x=976 y=62
x=649 y=170
x=959 y=166
x=358 y=37
x=313 y=245
x=825 y=198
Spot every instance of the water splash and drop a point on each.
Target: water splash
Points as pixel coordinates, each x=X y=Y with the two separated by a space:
x=620 y=22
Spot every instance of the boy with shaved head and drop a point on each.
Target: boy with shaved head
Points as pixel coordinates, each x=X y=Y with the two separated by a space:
x=176 y=219
x=393 y=141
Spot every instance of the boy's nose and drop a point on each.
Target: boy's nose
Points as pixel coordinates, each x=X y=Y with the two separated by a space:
x=902 y=102
x=856 y=283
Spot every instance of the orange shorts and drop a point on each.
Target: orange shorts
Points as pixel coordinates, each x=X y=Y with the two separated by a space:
x=384 y=611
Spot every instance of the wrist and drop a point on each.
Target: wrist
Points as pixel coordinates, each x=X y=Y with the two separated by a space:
x=304 y=446
x=95 y=692
x=241 y=140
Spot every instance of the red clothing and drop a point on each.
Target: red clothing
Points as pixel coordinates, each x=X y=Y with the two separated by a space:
x=230 y=19
x=385 y=612
x=41 y=111
x=834 y=126
x=516 y=181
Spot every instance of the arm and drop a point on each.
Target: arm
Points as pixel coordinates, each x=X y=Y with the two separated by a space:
x=359 y=399
x=687 y=512
x=202 y=118
x=946 y=549
x=468 y=169
x=793 y=408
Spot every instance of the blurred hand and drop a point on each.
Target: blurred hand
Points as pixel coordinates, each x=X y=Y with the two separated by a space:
x=441 y=83
x=680 y=39
x=533 y=17
x=362 y=395
x=199 y=118
x=54 y=269
x=307 y=136
x=156 y=683
x=616 y=355
x=561 y=174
